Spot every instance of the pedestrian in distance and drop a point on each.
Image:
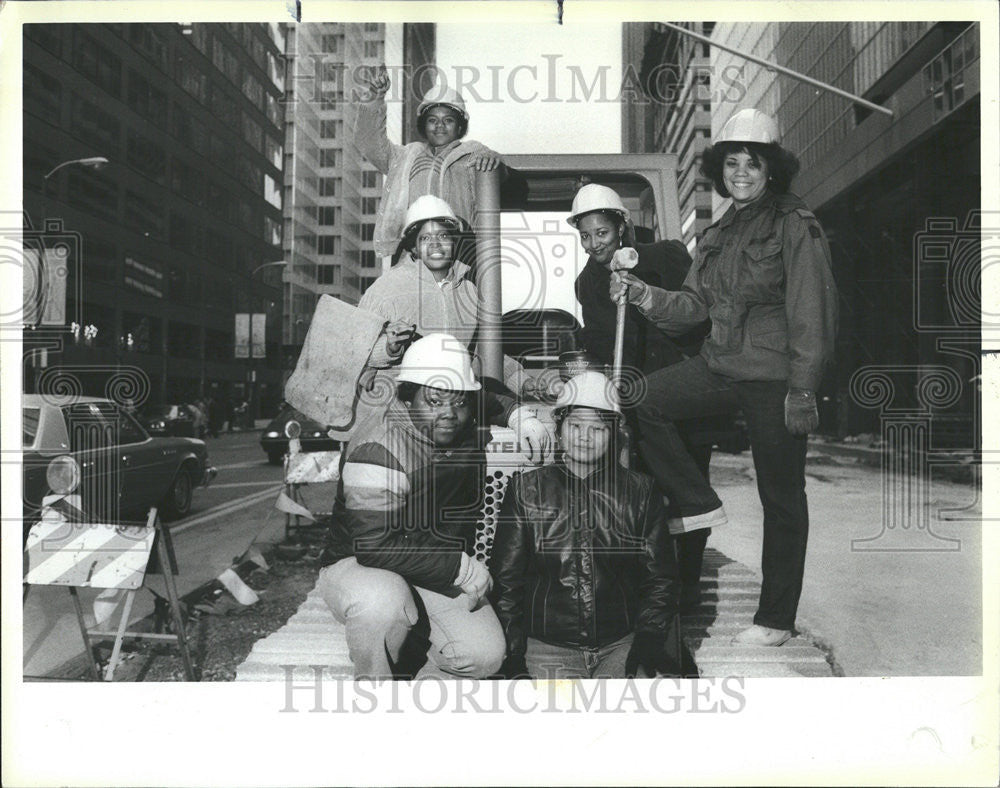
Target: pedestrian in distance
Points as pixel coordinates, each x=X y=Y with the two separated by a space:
x=442 y=163
x=403 y=535
x=604 y=225
x=763 y=276
x=585 y=578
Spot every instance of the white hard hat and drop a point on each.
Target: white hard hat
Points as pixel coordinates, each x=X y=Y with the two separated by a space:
x=428 y=207
x=750 y=125
x=595 y=197
x=448 y=97
x=439 y=361
x=589 y=389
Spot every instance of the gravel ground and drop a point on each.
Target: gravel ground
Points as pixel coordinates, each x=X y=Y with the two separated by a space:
x=220 y=630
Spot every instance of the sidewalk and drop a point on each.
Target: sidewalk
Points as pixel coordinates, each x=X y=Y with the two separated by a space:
x=894 y=567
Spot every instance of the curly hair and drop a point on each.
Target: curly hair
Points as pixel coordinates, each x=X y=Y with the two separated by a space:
x=782 y=165
x=463 y=123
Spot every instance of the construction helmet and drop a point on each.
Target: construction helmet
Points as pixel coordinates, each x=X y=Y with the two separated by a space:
x=589 y=389
x=442 y=96
x=594 y=197
x=426 y=208
x=438 y=361
x=750 y=125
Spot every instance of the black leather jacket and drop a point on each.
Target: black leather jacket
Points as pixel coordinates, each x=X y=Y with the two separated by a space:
x=582 y=562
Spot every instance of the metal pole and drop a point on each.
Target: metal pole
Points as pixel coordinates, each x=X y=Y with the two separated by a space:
x=487 y=226
x=781 y=69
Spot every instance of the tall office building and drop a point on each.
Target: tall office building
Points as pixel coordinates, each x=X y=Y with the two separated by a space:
x=168 y=238
x=673 y=113
x=332 y=192
x=898 y=197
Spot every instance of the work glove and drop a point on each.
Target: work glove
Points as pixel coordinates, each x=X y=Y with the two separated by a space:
x=628 y=286
x=801 y=415
x=474 y=580
x=514 y=667
x=398 y=334
x=649 y=652
x=533 y=436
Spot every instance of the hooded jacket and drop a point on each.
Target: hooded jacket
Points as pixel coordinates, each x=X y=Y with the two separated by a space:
x=456 y=185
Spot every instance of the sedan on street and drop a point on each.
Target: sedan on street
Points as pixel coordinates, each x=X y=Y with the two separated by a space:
x=312 y=436
x=93 y=452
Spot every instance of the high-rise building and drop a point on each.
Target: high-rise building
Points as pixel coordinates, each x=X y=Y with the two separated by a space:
x=898 y=197
x=169 y=237
x=332 y=192
x=673 y=113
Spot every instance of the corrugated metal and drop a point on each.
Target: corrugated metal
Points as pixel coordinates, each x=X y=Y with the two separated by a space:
x=312 y=642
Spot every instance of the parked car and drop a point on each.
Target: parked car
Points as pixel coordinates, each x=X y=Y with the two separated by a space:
x=313 y=436
x=95 y=449
x=173 y=420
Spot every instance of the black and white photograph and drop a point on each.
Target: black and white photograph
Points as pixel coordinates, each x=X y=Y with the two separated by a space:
x=608 y=383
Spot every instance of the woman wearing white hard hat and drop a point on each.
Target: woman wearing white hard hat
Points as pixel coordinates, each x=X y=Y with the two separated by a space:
x=429 y=290
x=763 y=275
x=602 y=220
x=585 y=577
x=442 y=164
x=405 y=526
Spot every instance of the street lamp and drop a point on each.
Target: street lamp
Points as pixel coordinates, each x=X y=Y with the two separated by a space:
x=93 y=162
x=254 y=404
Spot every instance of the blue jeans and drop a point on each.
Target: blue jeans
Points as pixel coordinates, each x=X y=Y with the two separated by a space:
x=548 y=661
x=689 y=389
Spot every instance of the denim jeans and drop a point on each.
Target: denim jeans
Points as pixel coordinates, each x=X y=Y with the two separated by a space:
x=548 y=661
x=378 y=610
x=690 y=389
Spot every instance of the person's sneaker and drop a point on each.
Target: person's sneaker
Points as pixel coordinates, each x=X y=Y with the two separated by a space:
x=762 y=636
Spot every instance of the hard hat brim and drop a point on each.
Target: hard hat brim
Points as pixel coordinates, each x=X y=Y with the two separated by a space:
x=574 y=220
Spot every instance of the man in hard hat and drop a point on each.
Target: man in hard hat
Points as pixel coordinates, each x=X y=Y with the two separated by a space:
x=405 y=527
x=604 y=225
x=442 y=164
x=586 y=581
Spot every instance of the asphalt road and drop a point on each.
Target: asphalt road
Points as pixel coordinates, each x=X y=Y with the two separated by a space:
x=226 y=519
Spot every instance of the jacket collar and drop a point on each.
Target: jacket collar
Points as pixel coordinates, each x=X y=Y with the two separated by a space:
x=745 y=214
x=455 y=275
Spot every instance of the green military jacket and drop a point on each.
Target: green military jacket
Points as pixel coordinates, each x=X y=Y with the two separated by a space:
x=763 y=276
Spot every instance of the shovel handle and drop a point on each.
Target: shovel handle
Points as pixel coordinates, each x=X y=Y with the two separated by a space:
x=616 y=369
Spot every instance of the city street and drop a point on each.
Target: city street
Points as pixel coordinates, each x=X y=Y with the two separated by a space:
x=227 y=517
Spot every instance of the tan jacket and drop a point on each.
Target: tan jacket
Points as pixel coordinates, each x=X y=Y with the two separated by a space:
x=763 y=275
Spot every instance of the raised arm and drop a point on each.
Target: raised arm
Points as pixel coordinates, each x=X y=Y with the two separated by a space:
x=369 y=124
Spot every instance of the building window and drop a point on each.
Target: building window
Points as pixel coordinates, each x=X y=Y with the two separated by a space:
x=330 y=43
x=369 y=205
x=48 y=36
x=96 y=193
x=367 y=231
x=328 y=129
x=368 y=258
x=146 y=100
x=329 y=157
x=147 y=157
x=97 y=63
x=369 y=179
x=272 y=231
x=373 y=49
x=329 y=215
x=329 y=244
x=329 y=187
x=328 y=274
x=42 y=95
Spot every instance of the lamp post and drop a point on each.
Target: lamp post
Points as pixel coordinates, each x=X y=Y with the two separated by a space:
x=254 y=403
x=38 y=358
